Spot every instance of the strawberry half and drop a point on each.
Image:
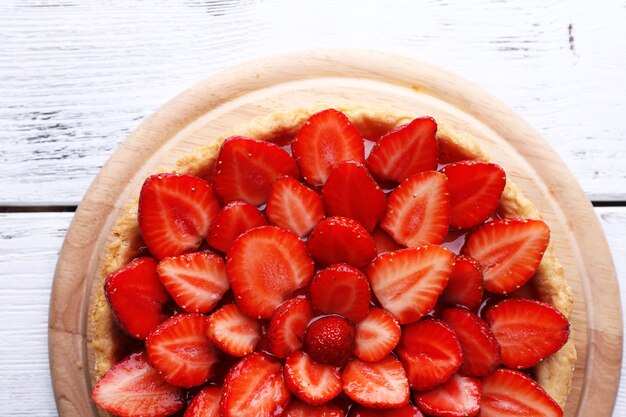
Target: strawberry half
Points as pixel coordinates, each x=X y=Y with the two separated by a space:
x=288 y=325
x=265 y=266
x=323 y=142
x=294 y=207
x=418 y=210
x=232 y=221
x=175 y=212
x=137 y=297
x=246 y=168
x=132 y=387
x=206 y=403
x=528 y=331
x=376 y=336
x=509 y=251
x=430 y=353
x=233 y=332
x=329 y=340
x=384 y=242
x=341 y=289
x=465 y=286
x=408 y=410
x=457 y=397
x=313 y=382
x=299 y=409
x=408 y=282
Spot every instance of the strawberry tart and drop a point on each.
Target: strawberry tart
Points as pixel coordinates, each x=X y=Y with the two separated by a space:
x=352 y=261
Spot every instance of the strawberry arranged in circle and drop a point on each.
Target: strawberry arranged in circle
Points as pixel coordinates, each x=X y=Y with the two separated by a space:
x=232 y=221
x=301 y=409
x=408 y=410
x=206 y=403
x=458 y=397
x=288 y=326
x=329 y=340
x=233 y=332
x=312 y=382
x=293 y=206
x=341 y=289
x=465 y=286
x=376 y=335
x=341 y=240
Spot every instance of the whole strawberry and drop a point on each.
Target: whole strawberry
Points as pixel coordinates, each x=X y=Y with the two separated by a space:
x=329 y=340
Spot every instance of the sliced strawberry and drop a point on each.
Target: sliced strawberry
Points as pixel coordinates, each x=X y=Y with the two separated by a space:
x=465 y=286
x=408 y=282
x=206 y=403
x=509 y=251
x=380 y=384
x=137 y=297
x=341 y=289
x=481 y=351
x=245 y=169
x=376 y=336
x=384 y=242
x=175 y=212
x=232 y=221
x=475 y=191
x=528 y=331
x=254 y=387
x=313 y=382
x=294 y=206
x=132 y=387
x=366 y=206
x=430 y=353
x=340 y=239
x=457 y=397
x=408 y=410
x=511 y=393
x=300 y=409
x=288 y=325
x=233 y=332
x=418 y=210
x=265 y=266
x=197 y=281
x=323 y=142
x=329 y=340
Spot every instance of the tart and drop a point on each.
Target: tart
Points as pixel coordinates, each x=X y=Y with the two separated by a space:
x=297 y=261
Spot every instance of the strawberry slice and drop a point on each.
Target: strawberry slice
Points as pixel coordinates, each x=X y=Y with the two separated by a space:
x=245 y=169
x=511 y=393
x=288 y=325
x=294 y=206
x=329 y=340
x=175 y=212
x=254 y=387
x=405 y=151
x=380 y=384
x=206 y=403
x=430 y=353
x=340 y=239
x=408 y=410
x=313 y=382
x=528 y=331
x=233 y=220
x=475 y=191
x=137 y=297
x=465 y=287
x=366 y=206
x=384 y=242
x=509 y=252
x=376 y=336
x=233 y=332
x=132 y=387
x=265 y=266
x=418 y=210
x=341 y=289
x=299 y=409
x=481 y=351
x=457 y=397
x=197 y=281
x=408 y=282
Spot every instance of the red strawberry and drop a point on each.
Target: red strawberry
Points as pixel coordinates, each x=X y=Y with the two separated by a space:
x=245 y=169
x=430 y=353
x=265 y=266
x=511 y=393
x=299 y=409
x=132 y=387
x=458 y=397
x=234 y=332
x=329 y=340
x=405 y=151
x=288 y=325
x=481 y=351
x=376 y=336
x=315 y=383
x=175 y=212
x=528 y=331
x=323 y=142
x=384 y=242
x=509 y=251
x=408 y=410
x=341 y=289
x=254 y=387
x=380 y=384
x=408 y=282
x=197 y=281
x=418 y=210
x=465 y=286
x=350 y=191
x=181 y=351
x=294 y=207
x=206 y=403
x=137 y=297
x=475 y=189
x=232 y=221
x=340 y=239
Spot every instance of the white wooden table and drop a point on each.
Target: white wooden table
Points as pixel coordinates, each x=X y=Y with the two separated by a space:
x=77 y=76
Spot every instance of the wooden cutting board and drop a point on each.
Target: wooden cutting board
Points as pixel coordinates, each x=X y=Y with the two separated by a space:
x=333 y=77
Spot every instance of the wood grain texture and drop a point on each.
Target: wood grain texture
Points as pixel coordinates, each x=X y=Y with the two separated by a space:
x=77 y=76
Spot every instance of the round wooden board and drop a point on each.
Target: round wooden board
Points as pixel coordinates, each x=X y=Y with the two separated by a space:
x=337 y=76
